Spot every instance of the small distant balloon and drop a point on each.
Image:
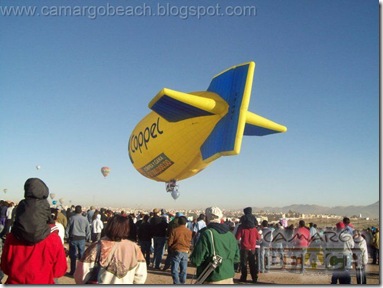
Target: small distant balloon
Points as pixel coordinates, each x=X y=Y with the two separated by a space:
x=5 y=190
x=61 y=200
x=54 y=202
x=105 y=171
x=175 y=194
x=38 y=167
x=52 y=195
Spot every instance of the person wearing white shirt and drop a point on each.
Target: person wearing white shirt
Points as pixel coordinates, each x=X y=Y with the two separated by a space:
x=198 y=227
x=360 y=257
x=97 y=227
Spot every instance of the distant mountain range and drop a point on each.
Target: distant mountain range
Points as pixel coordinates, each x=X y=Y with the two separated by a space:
x=371 y=211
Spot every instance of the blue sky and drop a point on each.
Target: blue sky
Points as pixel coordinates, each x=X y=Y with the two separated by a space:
x=73 y=88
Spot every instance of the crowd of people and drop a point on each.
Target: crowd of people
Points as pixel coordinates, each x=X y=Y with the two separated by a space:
x=124 y=246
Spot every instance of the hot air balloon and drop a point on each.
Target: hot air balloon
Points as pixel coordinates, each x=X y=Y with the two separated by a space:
x=186 y=132
x=38 y=167
x=52 y=195
x=105 y=171
x=5 y=190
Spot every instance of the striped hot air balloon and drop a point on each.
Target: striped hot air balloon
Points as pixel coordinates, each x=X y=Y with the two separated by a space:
x=105 y=171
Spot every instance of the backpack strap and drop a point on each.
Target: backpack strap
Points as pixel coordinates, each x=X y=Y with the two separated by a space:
x=212 y=241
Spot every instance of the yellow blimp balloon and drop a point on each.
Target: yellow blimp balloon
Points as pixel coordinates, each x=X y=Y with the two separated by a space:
x=185 y=132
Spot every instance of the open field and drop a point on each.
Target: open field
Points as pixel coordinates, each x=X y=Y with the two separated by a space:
x=290 y=277
x=274 y=276
x=323 y=222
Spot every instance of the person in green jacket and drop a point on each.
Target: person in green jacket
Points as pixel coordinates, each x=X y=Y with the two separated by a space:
x=225 y=245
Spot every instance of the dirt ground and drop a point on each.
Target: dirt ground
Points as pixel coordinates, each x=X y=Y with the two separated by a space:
x=274 y=276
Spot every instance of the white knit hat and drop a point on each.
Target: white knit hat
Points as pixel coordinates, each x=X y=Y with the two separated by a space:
x=213 y=214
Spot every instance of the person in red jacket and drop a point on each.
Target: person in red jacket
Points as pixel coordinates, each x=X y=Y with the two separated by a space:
x=301 y=241
x=248 y=234
x=33 y=253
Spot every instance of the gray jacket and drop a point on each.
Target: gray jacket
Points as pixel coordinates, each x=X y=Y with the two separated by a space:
x=78 y=228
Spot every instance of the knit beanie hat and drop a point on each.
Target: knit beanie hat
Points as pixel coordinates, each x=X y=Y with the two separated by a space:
x=213 y=214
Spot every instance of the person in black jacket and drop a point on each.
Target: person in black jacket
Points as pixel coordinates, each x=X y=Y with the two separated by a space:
x=145 y=238
x=159 y=228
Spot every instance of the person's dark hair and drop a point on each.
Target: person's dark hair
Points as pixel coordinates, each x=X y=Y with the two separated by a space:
x=146 y=218
x=117 y=228
x=346 y=220
x=302 y=223
x=53 y=216
x=94 y=217
x=78 y=209
x=265 y=223
x=182 y=220
x=201 y=217
x=54 y=213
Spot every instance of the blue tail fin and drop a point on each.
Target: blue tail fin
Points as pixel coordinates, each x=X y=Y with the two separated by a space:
x=234 y=86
